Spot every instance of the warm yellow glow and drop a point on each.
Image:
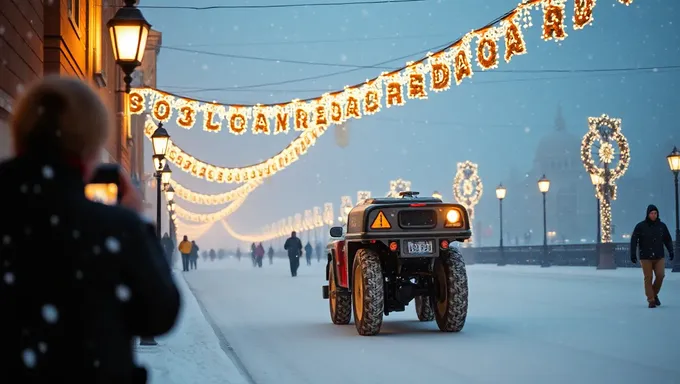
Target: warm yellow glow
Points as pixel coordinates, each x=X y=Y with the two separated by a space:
x=437 y=195
x=169 y=193
x=500 y=192
x=160 y=144
x=166 y=174
x=159 y=162
x=544 y=185
x=453 y=216
x=674 y=160
x=129 y=42
x=595 y=178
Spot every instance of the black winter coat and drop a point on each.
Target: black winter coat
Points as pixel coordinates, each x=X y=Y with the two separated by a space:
x=651 y=237
x=294 y=246
x=78 y=280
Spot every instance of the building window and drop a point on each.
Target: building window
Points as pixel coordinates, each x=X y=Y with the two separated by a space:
x=73 y=7
x=95 y=32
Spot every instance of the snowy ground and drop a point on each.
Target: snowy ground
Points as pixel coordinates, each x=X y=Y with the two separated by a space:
x=191 y=353
x=525 y=325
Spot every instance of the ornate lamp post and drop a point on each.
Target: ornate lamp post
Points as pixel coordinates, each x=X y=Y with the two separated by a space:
x=129 y=31
x=597 y=181
x=544 y=187
x=500 y=195
x=159 y=141
x=468 y=188
x=674 y=164
x=603 y=136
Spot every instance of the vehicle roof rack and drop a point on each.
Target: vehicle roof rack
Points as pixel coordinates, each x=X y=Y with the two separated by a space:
x=409 y=194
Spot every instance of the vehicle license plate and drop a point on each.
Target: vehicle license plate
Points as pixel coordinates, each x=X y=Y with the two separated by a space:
x=419 y=247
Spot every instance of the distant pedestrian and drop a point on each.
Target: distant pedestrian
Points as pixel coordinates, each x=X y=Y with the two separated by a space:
x=651 y=235
x=294 y=247
x=270 y=253
x=308 y=253
x=318 y=250
x=185 y=250
x=193 y=259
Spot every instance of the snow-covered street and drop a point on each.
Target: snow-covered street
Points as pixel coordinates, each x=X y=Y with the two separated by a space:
x=525 y=325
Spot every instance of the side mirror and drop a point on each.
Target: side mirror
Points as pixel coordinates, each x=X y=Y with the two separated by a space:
x=336 y=231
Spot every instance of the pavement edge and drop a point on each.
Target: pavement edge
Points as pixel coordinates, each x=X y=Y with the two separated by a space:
x=224 y=343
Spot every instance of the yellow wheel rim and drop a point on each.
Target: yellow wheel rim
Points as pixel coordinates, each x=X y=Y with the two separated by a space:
x=358 y=288
x=333 y=290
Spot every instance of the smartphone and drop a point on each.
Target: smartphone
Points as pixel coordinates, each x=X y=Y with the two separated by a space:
x=104 y=187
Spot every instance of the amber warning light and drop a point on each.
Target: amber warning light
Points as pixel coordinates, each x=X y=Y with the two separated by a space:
x=393 y=246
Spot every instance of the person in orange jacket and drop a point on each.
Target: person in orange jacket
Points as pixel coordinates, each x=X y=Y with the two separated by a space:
x=185 y=249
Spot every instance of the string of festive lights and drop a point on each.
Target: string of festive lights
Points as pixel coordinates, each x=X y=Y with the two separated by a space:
x=444 y=67
x=242 y=191
x=209 y=217
x=203 y=170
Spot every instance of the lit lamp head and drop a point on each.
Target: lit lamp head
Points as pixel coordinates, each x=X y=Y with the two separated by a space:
x=674 y=160
x=165 y=174
x=437 y=195
x=173 y=216
x=159 y=141
x=169 y=193
x=544 y=184
x=500 y=192
x=129 y=32
x=596 y=179
x=171 y=206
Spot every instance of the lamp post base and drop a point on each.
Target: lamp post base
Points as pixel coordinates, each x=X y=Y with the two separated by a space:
x=147 y=341
x=606 y=256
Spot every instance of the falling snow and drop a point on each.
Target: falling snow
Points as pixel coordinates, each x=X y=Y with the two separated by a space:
x=29 y=357
x=42 y=347
x=48 y=172
x=54 y=220
x=6 y=239
x=50 y=313
x=8 y=278
x=123 y=292
x=112 y=244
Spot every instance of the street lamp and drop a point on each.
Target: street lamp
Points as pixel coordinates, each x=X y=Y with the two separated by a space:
x=544 y=187
x=597 y=180
x=674 y=164
x=171 y=207
x=129 y=32
x=159 y=142
x=169 y=193
x=500 y=195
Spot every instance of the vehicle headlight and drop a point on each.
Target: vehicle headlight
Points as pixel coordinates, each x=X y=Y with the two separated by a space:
x=453 y=218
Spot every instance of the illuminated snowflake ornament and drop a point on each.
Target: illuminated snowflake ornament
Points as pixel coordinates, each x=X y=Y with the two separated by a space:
x=467 y=186
x=604 y=137
x=397 y=186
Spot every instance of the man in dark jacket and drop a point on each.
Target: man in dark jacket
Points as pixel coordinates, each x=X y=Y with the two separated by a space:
x=294 y=247
x=651 y=235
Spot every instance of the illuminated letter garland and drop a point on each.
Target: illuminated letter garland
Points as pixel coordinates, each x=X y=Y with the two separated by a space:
x=607 y=132
x=363 y=195
x=397 y=186
x=217 y=199
x=453 y=63
x=328 y=214
x=202 y=170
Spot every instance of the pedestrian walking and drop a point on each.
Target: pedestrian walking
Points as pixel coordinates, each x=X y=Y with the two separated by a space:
x=81 y=280
x=294 y=247
x=650 y=236
x=185 y=249
x=193 y=259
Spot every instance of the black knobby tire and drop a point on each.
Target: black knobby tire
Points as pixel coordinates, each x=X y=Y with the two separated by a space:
x=340 y=306
x=424 y=308
x=368 y=292
x=451 y=287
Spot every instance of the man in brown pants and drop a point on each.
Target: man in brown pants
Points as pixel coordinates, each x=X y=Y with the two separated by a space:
x=651 y=235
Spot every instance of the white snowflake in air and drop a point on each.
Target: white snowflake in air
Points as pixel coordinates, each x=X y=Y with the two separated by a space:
x=123 y=292
x=112 y=244
x=29 y=358
x=48 y=172
x=50 y=313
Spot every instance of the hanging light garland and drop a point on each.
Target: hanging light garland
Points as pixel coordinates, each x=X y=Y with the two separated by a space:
x=467 y=186
x=363 y=195
x=450 y=65
x=345 y=207
x=606 y=132
x=213 y=173
x=209 y=217
x=216 y=199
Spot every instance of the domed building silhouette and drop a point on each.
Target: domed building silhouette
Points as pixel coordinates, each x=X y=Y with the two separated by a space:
x=570 y=202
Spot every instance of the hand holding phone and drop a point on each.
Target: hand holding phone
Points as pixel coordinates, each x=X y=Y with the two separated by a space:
x=110 y=185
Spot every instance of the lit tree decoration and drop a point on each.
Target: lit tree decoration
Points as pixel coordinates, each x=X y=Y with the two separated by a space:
x=604 y=137
x=289 y=225
x=345 y=206
x=317 y=218
x=282 y=228
x=397 y=186
x=363 y=195
x=297 y=223
x=467 y=187
x=328 y=215
x=308 y=220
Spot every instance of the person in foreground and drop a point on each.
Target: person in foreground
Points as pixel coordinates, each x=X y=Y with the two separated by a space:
x=79 y=280
x=294 y=247
x=651 y=235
